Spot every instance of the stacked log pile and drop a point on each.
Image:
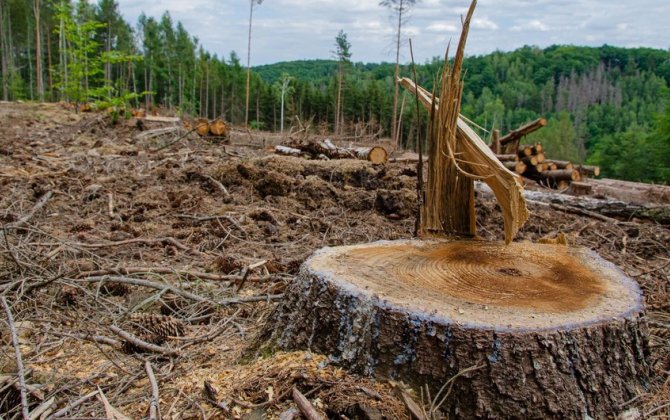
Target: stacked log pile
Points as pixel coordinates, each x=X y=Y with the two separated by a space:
x=530 y=161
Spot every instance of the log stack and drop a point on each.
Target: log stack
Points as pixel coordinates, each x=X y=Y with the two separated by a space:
x=530 y=162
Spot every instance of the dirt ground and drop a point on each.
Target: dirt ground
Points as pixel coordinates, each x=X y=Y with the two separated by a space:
x=197 y=240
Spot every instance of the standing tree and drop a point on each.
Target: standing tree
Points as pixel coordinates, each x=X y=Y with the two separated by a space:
x=399 y=8
x=108 y=13
x=246 y=103
x=38 y=52
x=343 y=54
x=284 y=85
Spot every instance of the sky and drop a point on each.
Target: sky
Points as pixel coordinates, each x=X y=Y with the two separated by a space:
x=285 y=30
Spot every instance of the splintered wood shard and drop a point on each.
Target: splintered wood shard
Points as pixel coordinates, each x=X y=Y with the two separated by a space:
x=505 y=184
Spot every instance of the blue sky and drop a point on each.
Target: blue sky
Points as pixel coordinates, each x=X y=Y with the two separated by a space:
x=302 y=29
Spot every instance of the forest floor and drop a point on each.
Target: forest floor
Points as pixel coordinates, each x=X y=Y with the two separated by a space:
x=216 y=232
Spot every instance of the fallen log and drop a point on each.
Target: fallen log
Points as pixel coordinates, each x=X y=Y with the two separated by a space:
x=518 y=167
x=218 y=128
x=288 y=151
x=522 y=131
x=156 y=118
x=561 y=164
x=589 y=170
x=613 y=209
x=530 y=160
x=631 y=191
x=202 y=127
x=580 y=188
x=374 y=154
x=563 y=175
x=508 y=158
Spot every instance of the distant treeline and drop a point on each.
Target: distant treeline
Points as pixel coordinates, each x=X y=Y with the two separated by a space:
x=605 y=105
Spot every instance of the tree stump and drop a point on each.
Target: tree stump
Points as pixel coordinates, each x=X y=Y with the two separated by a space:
x=549 y=331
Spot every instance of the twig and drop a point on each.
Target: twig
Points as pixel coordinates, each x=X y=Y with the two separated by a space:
x=164 y=270
x=19 y=362
x=101 y=339
x=111 y=412
x=147 y=283
x=215 y=217
x=306 y=408
x=435 y=405
x=212 y=336
x=38 y=205
x=141 y=343
x=654 y=410
x=246 y=272
x=154 y=407
x=218 y=185
x=63 y=411
x=42 y=408
x=212 y=397
x=415 y=411
x=110 y=204
x=145 y=241
x=180 y=292
x=10 y=251
x=175 y=140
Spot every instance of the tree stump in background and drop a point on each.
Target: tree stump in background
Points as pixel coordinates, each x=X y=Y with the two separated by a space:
x=547 y=330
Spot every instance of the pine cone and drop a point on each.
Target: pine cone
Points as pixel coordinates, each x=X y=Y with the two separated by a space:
x=160 y=325
x=68 y=295
x=115 y=289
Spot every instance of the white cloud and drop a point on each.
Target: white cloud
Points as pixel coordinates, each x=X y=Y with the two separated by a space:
x=441 y=27
x=533 y=25
x=294 y=29
x=484 y=23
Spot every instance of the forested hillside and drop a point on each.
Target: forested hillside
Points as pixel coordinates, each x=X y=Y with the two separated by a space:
x=606 y=105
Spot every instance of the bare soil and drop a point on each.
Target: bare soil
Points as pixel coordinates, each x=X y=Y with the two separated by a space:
x=196 y=214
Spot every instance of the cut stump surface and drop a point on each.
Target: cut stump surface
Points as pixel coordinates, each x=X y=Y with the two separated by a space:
x=551 y=330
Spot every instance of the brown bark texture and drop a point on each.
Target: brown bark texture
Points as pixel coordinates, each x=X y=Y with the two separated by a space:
x=327 y=148
x=572 y=371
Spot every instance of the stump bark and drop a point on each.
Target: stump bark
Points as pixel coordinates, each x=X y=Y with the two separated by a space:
x=550 y=331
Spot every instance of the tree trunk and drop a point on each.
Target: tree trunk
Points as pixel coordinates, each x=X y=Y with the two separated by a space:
x=396 y=76
x=316 y=149
x=609 y=208
x=38 y=52
x=4 y=47
x=49 y=63
x=246 y=103
x=523 y=330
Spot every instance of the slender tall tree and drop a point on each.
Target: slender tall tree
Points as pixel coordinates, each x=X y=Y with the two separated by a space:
x=252 y=3
x=399 y=9
x=4 y=51
x=343 y=54
x=39 y=80
x=284 y=85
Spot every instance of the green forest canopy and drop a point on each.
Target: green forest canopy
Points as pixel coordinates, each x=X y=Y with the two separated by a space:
x=605 y=105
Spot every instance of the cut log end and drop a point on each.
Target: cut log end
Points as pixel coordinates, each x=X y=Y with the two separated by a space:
x=218 y=128
x=377 y=155
x=202 y=127
x=556 y=329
